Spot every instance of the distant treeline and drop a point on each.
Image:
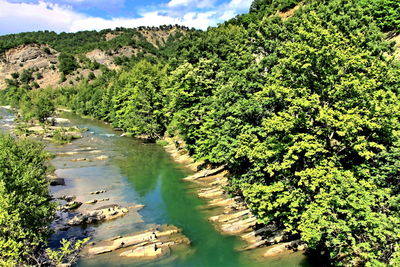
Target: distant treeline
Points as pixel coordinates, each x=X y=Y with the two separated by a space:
x=84 y=41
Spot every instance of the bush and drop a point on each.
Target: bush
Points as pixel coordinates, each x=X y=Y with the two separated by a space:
x=25 y=206
x=67 y=63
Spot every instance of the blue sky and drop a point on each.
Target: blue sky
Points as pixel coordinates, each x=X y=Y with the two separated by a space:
x=76 y=15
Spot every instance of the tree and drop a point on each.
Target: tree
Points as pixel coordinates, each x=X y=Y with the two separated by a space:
x=38 y=106
x=67 y=63
x=139 y=105
x=25 y=206
x=331 y=113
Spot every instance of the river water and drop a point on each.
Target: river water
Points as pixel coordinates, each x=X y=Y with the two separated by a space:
x=140 y=173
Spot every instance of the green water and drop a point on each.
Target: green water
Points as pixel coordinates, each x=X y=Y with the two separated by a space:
x=138 y=173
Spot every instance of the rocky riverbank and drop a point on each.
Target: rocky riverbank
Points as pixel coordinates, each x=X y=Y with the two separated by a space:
x=80 y=215
x=151 y=244
x=233 y=216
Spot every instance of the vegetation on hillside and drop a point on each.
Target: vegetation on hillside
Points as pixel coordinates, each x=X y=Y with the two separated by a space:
x=304 y=111
x=84 y=41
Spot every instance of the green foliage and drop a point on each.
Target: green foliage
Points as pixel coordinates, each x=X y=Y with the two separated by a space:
x=260 y=6
x=26 y=76
x=67 y=63
x=91 y=76
x=61 y=137
x=68 y=252
x=139 y=105
x=15 y=75
x=385 y=12
x=84 y=41
x=25 y=209
x=46 y=50
x=304 y=112
x=37 y=106
x=162 y=142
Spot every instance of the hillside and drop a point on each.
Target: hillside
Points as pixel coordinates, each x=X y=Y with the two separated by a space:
x=35 y=57
x=299 y=101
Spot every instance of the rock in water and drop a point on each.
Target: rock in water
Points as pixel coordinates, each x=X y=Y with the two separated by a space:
x=72 y=205
x=102 y=157
x=80 y=159
x=57 y=181
x=98 y=192
x=112 y=212
x=146 y=252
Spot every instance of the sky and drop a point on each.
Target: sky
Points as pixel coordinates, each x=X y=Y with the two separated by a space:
x=77 y=15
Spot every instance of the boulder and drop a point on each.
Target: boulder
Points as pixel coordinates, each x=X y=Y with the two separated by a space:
x=57 y=181
x=103 y=213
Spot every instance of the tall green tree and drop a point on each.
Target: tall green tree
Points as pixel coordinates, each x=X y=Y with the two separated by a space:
x=140 y=104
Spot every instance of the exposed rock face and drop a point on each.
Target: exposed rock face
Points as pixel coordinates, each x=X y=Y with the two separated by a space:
x=158 y=38
x=28 y=57
x=107 y=57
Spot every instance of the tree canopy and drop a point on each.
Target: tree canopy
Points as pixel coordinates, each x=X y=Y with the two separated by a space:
x=302 y=108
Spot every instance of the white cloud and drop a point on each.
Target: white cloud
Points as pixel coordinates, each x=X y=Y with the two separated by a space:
x=174 y=3
x=19 y=17
x=239 y=4
x=194 y=3
x=192 y=19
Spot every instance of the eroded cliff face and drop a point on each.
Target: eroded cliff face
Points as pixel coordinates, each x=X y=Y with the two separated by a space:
x=107 y=58
x=42 y=64
x=38 y=58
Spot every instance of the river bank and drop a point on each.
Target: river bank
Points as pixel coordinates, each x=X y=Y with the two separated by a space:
x=135 y=173
x=232 y=217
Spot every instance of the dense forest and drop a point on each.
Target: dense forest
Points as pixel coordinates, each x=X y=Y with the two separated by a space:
x=298 y=99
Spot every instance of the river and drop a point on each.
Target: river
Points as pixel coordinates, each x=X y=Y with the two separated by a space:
x=142 y=173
